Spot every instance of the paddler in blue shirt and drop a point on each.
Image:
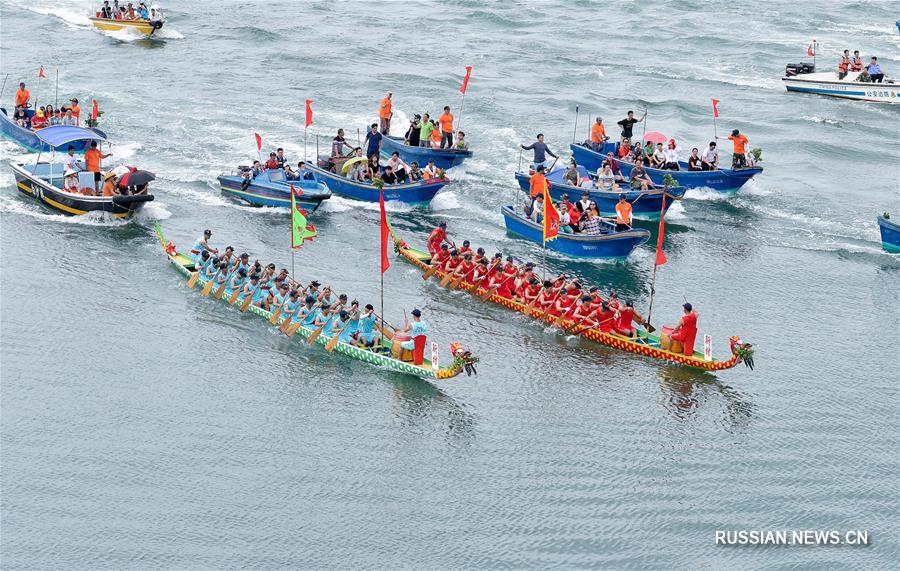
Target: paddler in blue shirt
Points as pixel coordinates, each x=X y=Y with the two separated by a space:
x=202 y=245
x=341 y=327
x=366 y=335
x=418 y=328
x=210 y=269
x=309 y=312
x=237 y=280
x=279 y=296
x=291 y=306
x=250 y=287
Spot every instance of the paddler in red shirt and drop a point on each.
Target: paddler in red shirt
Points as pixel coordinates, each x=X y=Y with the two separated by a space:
x=437 y=237
x=452 y=262
x=441 y=257
x=466 y=248
x=479 y=255
x=626 y=316
x=465 y=269
x=531 y=291
x=584 y=313
x=605 y=318
x=686 y=330
x=547 y=296
x=506 y=279
x=481 y=271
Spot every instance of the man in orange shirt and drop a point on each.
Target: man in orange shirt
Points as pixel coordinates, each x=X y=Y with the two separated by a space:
x=623 y=214
x=538 y=182
x=738 y=158
x=446 y=121
x=385 y=113
x=92 y=158
x=22 y=96
x=598 y=134
x=76 y=111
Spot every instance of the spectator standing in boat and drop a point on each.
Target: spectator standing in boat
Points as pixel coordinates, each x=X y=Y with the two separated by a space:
x=627 y=125
x=710 y=160
x=425 y=131
x=22 y=96
x=338 y=144
x=92 y=160
x=538 y=182
x=694 y=160
x=623 y=214
x=412 y=134
x=541 y=150
x=856 y=62
x=385 y=112
x=739 y=158
x=875 y=73
x=446 y=121
x=844 y=65
x=435 y=135
x=598 y=134
x=76 y=111
x=373 y=140
x=671 y=153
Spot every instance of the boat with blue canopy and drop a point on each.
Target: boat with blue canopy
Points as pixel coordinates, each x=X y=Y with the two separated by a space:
x=645 y=204
x=890 y=233
x=722 y=180
x=443 y=158
x=419 y=192
x=44 y=181
x=29 y=139
x=271 y=188
x=609 y=244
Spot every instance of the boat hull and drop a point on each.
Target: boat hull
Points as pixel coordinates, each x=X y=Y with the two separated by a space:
x=647 y=345
x=724 y=180
x=27 y=139
x=142 y=26
x=443 y=158
x=645 y=205
x=890 y=234
x=411 y=193
x=76 y=204
x=861 y=91
x=185 y=266
x=617 y=245
x=274 y=194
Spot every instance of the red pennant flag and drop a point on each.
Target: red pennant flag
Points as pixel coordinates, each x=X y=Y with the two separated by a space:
x=551 y=217
x=715 y=109
x=308 y=112
x=258 y=142
x=95 y=110
x=41 y=73
x=465 y=82
x=385 y=234
x=810 y=49
x=660 y=255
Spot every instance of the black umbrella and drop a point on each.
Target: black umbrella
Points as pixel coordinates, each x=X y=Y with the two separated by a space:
x=136 y=178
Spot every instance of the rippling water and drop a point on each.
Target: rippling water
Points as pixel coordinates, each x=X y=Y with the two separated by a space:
x=145 y=427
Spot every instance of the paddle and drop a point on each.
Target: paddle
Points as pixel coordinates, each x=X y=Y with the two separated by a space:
x=477 y=284
x=458 y=280
x=586 y=327
x=315 y=334
x=209 y=285
x=386 y=333
x=332 y=343
x=249 y=298
x=221 y=289
x=193 y=281
x=447 y=279
x=274 y=319
x=549 y=307
x=528 y=309
x=234 y=295
x=431 y=270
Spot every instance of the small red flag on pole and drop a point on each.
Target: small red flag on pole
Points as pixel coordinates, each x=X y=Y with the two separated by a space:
x=309 y=112
x=41 y=73
x=715 y=108
x=258 y=142
x=95 y=110
x=551 y=218
x=385 y=234
x=465 y=83
x=810 y=49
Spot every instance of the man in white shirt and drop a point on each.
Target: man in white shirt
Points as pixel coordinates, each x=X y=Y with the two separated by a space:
x=671 y=154
x=710 y=160
x=70 y=162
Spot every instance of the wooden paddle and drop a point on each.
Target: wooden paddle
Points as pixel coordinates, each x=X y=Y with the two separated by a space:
x=447 y=278
x=234 y=295
x=528 y=309
x=246 y=303
x=386 y=333
x=221 y=289
x=274 y=319
x=549 y=307
x=431 y=270
x=193 y=281
x=315 y=334
x=492 y=290
x=459 y=280
x=208 y=287
x=332 y=343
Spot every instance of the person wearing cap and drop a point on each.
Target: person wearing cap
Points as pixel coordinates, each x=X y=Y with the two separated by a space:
x=623 y=214
x=738 y=157
x=686 y=329
x=291 y=307
x=210 y=269
x=437 y=237
x=598 y=134
x=237 y=279
x=541 y=150
x=110 y=186
x=93 y=159
x=202 y=245
x=385 y=112
x=242 y=262
x=417 y=328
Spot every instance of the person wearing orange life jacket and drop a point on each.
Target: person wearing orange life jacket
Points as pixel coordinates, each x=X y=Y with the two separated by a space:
x=385 y=112
x=436 y=135
x=686 y=330
x=437 y=237
x=598 y=135
x=844 y=65
x=856 y=64
x=22 y=96
x=446 y=121
x=623 y=214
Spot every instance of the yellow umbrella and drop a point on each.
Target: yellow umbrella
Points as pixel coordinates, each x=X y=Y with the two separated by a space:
x=350 y=162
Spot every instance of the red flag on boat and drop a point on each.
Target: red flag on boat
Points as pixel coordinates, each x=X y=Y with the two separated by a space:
x=95 y=110
x=385 y=234
x=660 y=255
x=41 y=73
x=551 y=217
x=258 y=141
x=715 y=109
x=810 y=49
x=465 y=82
x=309 y=112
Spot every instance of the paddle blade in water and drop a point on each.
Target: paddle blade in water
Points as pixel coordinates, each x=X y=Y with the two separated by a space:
x=233 y=299
x=193 y=281
x=220 y=291
x=332 y=343
x=246 y=303
x=207 y=288
x=274 y=319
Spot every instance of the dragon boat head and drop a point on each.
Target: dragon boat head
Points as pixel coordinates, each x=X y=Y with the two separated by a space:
x=743 y=351
x=463 y=358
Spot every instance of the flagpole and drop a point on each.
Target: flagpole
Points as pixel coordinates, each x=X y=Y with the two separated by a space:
x=575 y=131
x=2 y=89
x=305 y=158
x=662 y=214
x=652 y=290
x=462 y=101
x=57 y=90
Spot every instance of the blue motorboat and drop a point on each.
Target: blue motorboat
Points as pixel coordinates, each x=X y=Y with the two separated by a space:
x=28 y=139
x=890 y=233
x=419 y=192
x=723 y=180
x=443 y=158
x=270 y=188
x=645 y=204
x=610 y=243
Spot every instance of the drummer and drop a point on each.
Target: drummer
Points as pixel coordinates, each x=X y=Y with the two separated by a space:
x=686 y=330
x=418 y=328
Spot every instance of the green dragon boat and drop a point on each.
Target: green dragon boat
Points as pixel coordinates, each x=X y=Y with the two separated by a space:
x=462 y=360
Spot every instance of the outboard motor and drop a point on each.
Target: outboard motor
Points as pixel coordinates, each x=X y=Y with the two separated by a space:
x=793 y=69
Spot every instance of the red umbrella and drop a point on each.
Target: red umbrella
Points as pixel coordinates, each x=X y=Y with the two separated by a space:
x=655 y=137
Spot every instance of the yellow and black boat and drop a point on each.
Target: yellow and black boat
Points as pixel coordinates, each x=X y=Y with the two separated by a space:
x=145 y=26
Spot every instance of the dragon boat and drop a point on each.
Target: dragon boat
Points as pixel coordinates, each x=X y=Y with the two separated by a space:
x=644 y=344
x=381 y=357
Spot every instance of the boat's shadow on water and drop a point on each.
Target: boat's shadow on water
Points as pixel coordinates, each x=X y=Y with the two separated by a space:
x=687 y=391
